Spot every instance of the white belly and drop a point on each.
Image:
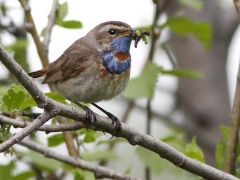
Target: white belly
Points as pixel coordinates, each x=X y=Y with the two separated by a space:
x=93 y=85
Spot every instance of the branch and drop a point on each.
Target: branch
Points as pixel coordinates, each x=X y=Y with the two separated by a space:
x=42 y=52
x=234 y=121
x=40 y=120
x=68 y=138
x=33 y=31
x=51 y=20
x=47 y=128
x=154 y=37
x=237 y=6
x=99 y=171
x=134 y=137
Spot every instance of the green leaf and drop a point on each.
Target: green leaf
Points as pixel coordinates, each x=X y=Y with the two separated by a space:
x=99 y=155
x=42 y=162
x=55 y=140
x=128 y=170
x=31 y=102
x=78 y=175
x=71 y=24
x=144 y=85
x=88 y=175
x=6 y=171
x=24 y=175
x=43 y=32
x=62 y=11
x=19 y=44
x=195 y=4
x=13 y=99
x=225 y=132
x=5 y=132
x=57 y=97
x=182 y=25
x=28 y=103
x=150 y=159
x=238 y=159
x=89 y=136
x=4 y=89
x=193 y=151
x=183 y=73
x=175 y=140
x=220 y=154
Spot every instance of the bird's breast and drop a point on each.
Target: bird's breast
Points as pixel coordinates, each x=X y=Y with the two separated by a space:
x=94 y=84
x=117 y=62
x=121 y=56
x=113 y=84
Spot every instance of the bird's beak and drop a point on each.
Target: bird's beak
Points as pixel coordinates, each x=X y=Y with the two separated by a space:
x=126 y=33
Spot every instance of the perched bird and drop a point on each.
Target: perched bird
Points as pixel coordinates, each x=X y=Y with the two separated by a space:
x=94 y=68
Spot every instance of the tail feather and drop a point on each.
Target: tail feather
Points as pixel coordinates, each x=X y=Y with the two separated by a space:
x=38 y=73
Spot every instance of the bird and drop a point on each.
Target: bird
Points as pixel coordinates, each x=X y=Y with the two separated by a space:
x=94 y=68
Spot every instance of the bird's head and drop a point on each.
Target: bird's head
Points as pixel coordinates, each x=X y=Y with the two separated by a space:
x=111 y=36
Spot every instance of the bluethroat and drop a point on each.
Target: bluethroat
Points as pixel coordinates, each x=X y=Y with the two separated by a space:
x=94 y=68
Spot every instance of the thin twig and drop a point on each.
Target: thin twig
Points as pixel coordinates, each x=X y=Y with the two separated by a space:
x=33 y=31
x=134 y=137
x=40 y=120
x=47 y=128
x=234 y=130
x=126 y=114
x=154 y=37
x=237 y=6
x=43 y=54
x=99 y=171
x=48 y=31
x=68 y=138
x=170 y=55
x=234 y=121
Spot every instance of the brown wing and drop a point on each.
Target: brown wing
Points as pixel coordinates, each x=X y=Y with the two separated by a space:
x=71 y=63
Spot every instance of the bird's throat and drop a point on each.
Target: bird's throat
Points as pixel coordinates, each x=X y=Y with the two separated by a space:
x=118 y=58
x=116 y=63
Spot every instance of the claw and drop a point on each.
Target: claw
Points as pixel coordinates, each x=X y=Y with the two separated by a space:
x=113 y=118
x=90 y=115
x=118 y=125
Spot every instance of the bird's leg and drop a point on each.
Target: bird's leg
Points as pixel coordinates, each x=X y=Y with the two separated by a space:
x=112 y=117
x=90 y=115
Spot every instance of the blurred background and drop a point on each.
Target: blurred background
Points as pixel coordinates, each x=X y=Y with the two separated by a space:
x=180 y=107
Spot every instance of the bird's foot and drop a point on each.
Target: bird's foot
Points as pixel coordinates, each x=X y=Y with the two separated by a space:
x=113 y=118
x=90 y=116
x=118 y=124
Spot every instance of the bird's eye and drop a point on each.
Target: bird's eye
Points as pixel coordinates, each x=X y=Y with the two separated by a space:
x=111 y=31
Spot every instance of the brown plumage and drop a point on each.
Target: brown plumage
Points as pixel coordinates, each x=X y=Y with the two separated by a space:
x=71 y=63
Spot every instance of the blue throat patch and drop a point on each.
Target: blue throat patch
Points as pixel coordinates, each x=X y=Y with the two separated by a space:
x=121 y=44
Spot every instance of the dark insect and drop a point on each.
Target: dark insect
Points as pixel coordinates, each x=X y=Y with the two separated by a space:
x=137 y=35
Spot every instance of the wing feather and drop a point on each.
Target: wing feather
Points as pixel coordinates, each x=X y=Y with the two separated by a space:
x=71 y=63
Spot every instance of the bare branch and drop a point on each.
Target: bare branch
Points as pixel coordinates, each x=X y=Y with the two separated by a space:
x=104 y=124
x=68 y=138
x=237 y=6
x=99 y=171
x=48 y=31
x=40 y=120
x=47 y=128
x=234 y=131
x=33 y=31
x=235 y=120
